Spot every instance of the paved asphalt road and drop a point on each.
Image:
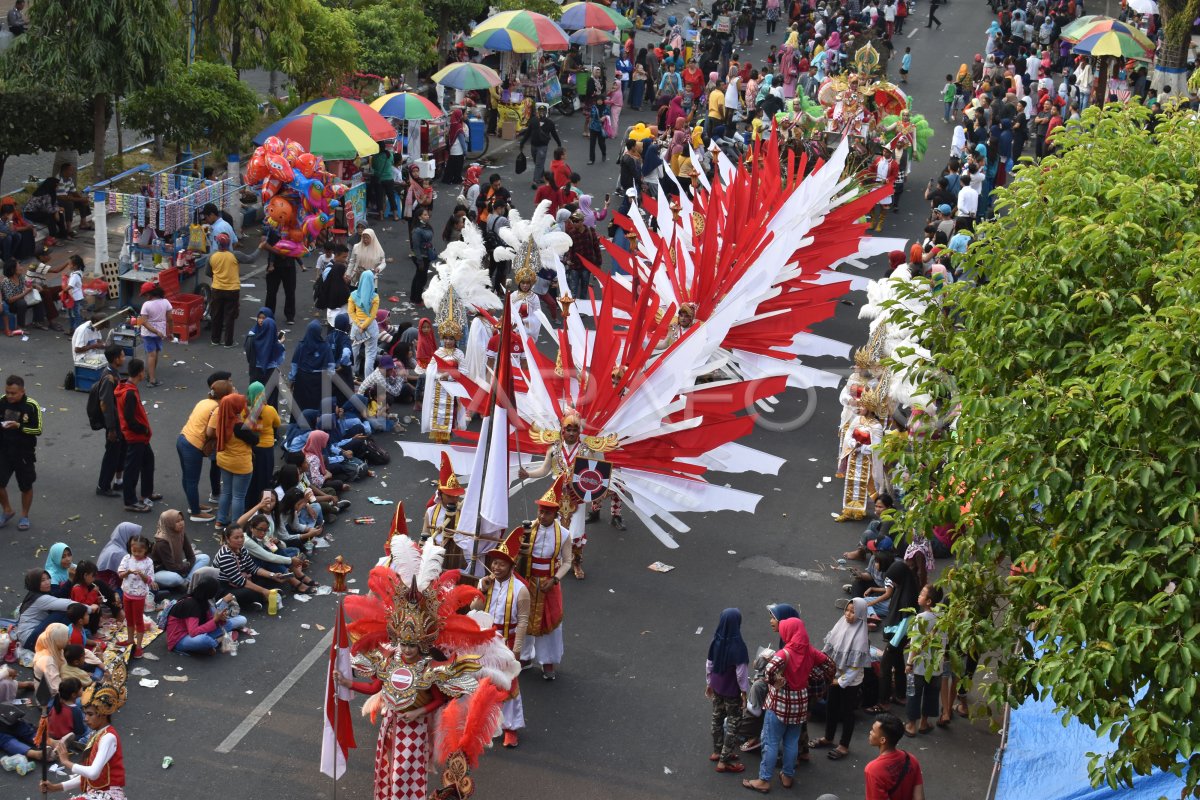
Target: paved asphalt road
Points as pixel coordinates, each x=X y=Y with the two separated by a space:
x=627 y=718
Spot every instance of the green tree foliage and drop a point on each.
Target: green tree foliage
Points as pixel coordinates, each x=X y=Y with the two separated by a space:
x=395 y=36
x=550 y=8
x=249 y=33
x=1077 y=449
x=204 y=102
x=31 y=122
x=99 y=49
x=331 y=50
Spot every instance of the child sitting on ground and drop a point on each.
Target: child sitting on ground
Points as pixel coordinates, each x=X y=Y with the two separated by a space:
x=64 y=715
x=91 y=592
x=78 y=665
x=78 y=624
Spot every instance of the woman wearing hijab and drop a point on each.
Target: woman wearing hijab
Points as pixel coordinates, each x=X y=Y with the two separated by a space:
x=728 y=682
x=310 y=360
x=58 y=565
x=314 y=458
x=341 y=351
x=615 y=103
x=367 y=256
x=750 y=729
x=733 y=105
x=779 y=612
x=788 y=675
x=764 y=89
x=590 y=215
x=48 y=659
x=40 y=608
x=675 y=112
x=264 y=419
x=847 y=645
x=235 y=456
x=264 y=351
x=193 y=627
x=175 y=560
x=362 y=306
x=109 y=561
x=426 y=343
x=457 y=138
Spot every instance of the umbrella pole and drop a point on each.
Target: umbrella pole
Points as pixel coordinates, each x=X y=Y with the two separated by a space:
x=1103 y=85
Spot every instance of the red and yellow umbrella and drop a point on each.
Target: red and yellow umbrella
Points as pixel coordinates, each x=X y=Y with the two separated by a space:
x=357 y=113
x=576 y=16
x=516 y=30
x=406 y=105
x=322 y=135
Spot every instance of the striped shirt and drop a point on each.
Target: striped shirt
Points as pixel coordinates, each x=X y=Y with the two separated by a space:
x=234 y=566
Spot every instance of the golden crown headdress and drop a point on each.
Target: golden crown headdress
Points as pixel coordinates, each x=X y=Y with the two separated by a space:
x=527 y=260
x=414 y=616
x=451 y=317
x=109 y=694
x=862 y=358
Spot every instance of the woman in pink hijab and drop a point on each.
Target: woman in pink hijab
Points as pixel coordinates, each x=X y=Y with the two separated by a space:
x=788 y=675
x=615 y=104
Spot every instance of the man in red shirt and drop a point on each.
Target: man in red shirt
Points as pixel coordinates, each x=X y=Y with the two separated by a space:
x=894 y=774
x=560 y=169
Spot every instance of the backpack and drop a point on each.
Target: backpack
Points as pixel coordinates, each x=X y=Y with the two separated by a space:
x=373 y=454
x=491 y=240
x=161 y=619
x=95 y=413
x=606 y=125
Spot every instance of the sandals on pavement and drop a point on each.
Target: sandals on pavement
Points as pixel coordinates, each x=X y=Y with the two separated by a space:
x=749 y=784
x=819 y=744
x=837 y=755
x=730 y=766
x=751 y=745
x=23 y=525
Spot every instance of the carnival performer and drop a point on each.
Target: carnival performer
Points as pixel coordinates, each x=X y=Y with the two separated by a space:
x=860 y=380
x=102 y=774
x=441 y=412
x=506 y=599
x=560 y=461
x=526 y=304
x=858 y=460
x=544 y=570
x=441 y=519
x=401 y=630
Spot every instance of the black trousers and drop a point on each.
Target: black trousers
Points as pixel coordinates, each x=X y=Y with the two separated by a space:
x=933 y=20
x=840 y=705
x=594 y=138
x=113 y=461
x=139 y=463
x=420 y=276
x=286 y=277
x=223 y=309
x=892 y=680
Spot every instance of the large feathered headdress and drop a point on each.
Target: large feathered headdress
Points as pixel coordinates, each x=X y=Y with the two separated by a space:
x=462 y=267
x=532 y=243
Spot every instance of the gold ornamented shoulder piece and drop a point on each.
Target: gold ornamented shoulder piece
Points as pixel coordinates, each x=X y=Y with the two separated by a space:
x=543 y=436
x=602 y=443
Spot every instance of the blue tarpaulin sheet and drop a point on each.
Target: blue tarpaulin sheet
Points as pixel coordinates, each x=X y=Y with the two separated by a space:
x=1046 y=761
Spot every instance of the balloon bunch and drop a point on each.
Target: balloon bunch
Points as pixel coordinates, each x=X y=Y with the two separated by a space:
x=298 y=194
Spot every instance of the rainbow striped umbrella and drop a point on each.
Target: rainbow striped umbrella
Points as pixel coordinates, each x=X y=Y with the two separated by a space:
x=1117 y=44
x=333 y=138
x=592 y=36
x=406 y=105
x=515 y=30
x=466 y=75
x=1098 y=23
x=576 y=16
x=358 y=114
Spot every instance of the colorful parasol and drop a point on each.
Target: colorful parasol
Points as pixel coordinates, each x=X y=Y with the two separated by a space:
x=517 y=30
x=358 y=114
x=406 y=105
x=1098 y=23
x=576 y=16
x=466 y=75
x=322 y=135
x=1116 y=43
x=592 y=36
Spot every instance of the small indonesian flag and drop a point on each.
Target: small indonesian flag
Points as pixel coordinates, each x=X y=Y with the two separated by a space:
x=338 y=736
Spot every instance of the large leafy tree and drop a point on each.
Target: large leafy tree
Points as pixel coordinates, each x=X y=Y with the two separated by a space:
x=331 y=50
x=248 y=33
x=31 y=122
x=99 y=49
x=1076 y=454
x=394 y=37
x=1177 y=16
x=202 y=102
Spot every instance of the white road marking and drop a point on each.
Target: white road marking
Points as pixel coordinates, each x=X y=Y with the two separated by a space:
x=912 y=33
x=282 y=688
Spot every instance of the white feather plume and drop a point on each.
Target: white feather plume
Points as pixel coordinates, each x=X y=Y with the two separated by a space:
x=461 y=265
x=431 y=564
x=406 y=558
x=551 y=243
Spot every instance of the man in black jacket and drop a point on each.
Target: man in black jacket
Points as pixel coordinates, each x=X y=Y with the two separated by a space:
x=538 y=133
x=20 y=425
x=112 y=465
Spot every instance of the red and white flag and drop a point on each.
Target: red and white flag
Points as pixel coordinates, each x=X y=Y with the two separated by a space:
x=337 y=739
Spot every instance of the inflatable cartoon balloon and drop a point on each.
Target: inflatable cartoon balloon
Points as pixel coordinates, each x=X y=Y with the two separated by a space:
x=298 y=194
